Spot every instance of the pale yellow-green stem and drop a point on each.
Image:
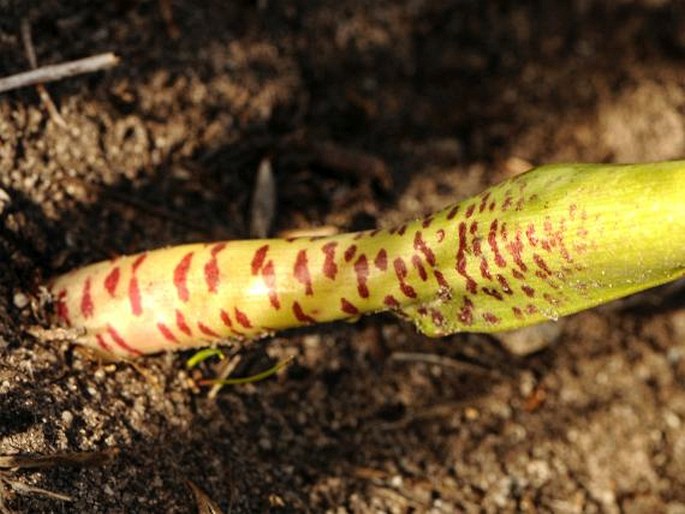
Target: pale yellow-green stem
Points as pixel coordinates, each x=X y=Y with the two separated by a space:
x=547 y=243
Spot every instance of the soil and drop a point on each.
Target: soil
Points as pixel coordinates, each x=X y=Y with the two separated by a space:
x=447 y=97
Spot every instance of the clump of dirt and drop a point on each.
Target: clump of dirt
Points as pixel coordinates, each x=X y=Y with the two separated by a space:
x=448 y=98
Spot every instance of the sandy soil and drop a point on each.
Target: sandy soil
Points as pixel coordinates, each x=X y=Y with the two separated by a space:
x=449 y=96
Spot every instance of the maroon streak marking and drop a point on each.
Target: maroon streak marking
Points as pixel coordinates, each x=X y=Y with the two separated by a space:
x=300 y=315
x=112 y=280
x=515 y=248
x=133 y=289
x=420 y=245
x=212 y=269
x=453 y=212
x=461 y=260
x=167 y=333
x=181 y=277
x=485 y=269
x=258 y=258
x=440 y=235
x=540 y=263
x=391 y=302
x=61 y=307
x=484 y=202
x=401 y=272
x=493 y=292
x=119 y=341
x=347 y=307
x=492 y=241
x=181 y=323
x=505 y=285
x=442 y=281
x=102 y=344
x=476 y=246
x=427 y=222
x=402 y=230
x=466 y=312
x=269 y=277
x=469 y=210
x=242 y=318
x=531 y=309
x=301 y=271
x=206 y=330
x=134 y=296
x=361 y=269
x=530 y=292
x=517 y=274
x=517 y=312
x=530 y=234
x=551 y=299
x=86 y=300
x=381 y=260
x=416 y=262
x=139 y=260
x=437 y=317
x=330 y=268
x=349 y=253
x=226 y=319
x=491 y=318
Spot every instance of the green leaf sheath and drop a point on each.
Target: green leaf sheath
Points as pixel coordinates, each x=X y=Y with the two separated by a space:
x=550 y=242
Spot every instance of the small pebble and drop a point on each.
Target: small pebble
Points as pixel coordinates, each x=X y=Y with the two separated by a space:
x=20 y=300
x=529 y=340
x=5 y=200
x=67 y=417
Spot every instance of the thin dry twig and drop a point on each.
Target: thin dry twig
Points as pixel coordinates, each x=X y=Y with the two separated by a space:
x=439 y=360
x=205 y=505
x=30 y=489
x=42 y=90
x=226 y=368
x=167 y=11
x=263 y=201
x=96 y=458
x=54 y=72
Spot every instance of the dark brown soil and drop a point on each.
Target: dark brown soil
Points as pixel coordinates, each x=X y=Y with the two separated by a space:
x=451 y=96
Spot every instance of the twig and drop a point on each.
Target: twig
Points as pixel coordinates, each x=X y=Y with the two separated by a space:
x=167 y=12
x=205 y=505
x=439 y=360
x=30 y=489
x=94 y=458
x=56 y=72
x=42 y=90
x=263 y=200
